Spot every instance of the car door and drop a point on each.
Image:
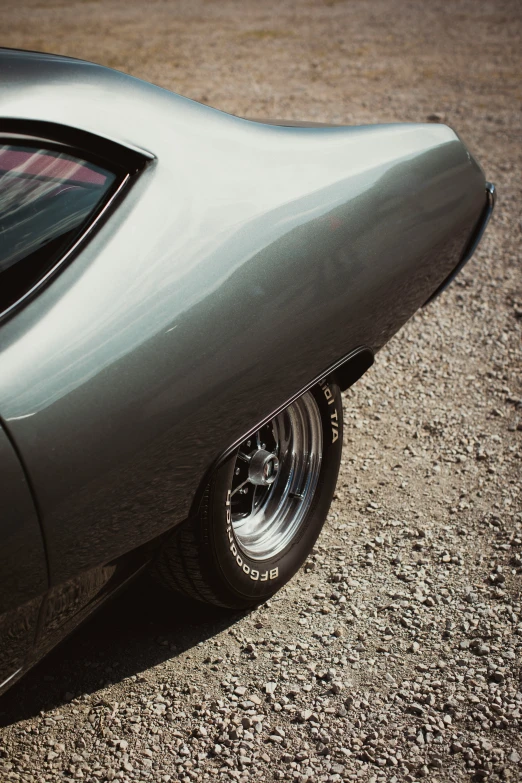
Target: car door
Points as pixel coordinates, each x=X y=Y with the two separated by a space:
x=23 y=567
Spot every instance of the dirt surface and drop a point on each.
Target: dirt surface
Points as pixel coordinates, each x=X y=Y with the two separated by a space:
x=395 y=654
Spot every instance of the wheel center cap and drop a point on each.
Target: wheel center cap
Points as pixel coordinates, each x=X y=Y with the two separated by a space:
x=262 y=468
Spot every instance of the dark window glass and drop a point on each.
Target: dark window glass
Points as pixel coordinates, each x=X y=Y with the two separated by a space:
x=46 y=199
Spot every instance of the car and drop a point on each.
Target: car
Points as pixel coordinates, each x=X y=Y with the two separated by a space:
x=184 y=295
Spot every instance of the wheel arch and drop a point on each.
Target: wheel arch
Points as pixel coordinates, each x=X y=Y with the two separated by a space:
x=346 y=372
x=353 y=368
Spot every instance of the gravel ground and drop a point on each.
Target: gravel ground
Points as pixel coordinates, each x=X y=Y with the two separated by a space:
x=395 y=654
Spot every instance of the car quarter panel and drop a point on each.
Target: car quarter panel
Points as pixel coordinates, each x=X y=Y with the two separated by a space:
x=244 y=262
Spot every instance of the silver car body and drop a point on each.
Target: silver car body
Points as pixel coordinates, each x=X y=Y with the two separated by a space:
x=240 y=263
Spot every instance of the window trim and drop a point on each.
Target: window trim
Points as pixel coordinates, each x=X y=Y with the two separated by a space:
x=125 y=162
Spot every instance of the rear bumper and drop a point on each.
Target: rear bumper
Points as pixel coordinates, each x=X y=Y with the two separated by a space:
x=473 y=241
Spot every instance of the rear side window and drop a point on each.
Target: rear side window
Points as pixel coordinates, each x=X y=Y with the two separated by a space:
x=47 y=199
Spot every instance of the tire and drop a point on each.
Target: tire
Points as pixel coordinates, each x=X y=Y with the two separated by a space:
x=263 y=508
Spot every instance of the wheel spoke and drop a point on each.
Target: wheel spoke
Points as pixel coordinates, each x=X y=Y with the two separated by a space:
x=239 y=486
x=284 y=443
x=275 y=437
x=266 y=515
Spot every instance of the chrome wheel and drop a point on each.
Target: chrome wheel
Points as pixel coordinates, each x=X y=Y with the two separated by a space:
x=275 y=478
x=262 y=508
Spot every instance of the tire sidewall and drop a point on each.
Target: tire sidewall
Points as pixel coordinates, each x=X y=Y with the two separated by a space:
x=246 y=580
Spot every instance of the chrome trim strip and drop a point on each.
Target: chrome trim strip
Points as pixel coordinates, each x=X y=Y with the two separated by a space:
x=6 y=682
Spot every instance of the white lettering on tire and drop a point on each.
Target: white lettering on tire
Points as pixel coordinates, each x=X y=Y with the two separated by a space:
x=334 y=419
x=273 y=573
x=328 y=393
